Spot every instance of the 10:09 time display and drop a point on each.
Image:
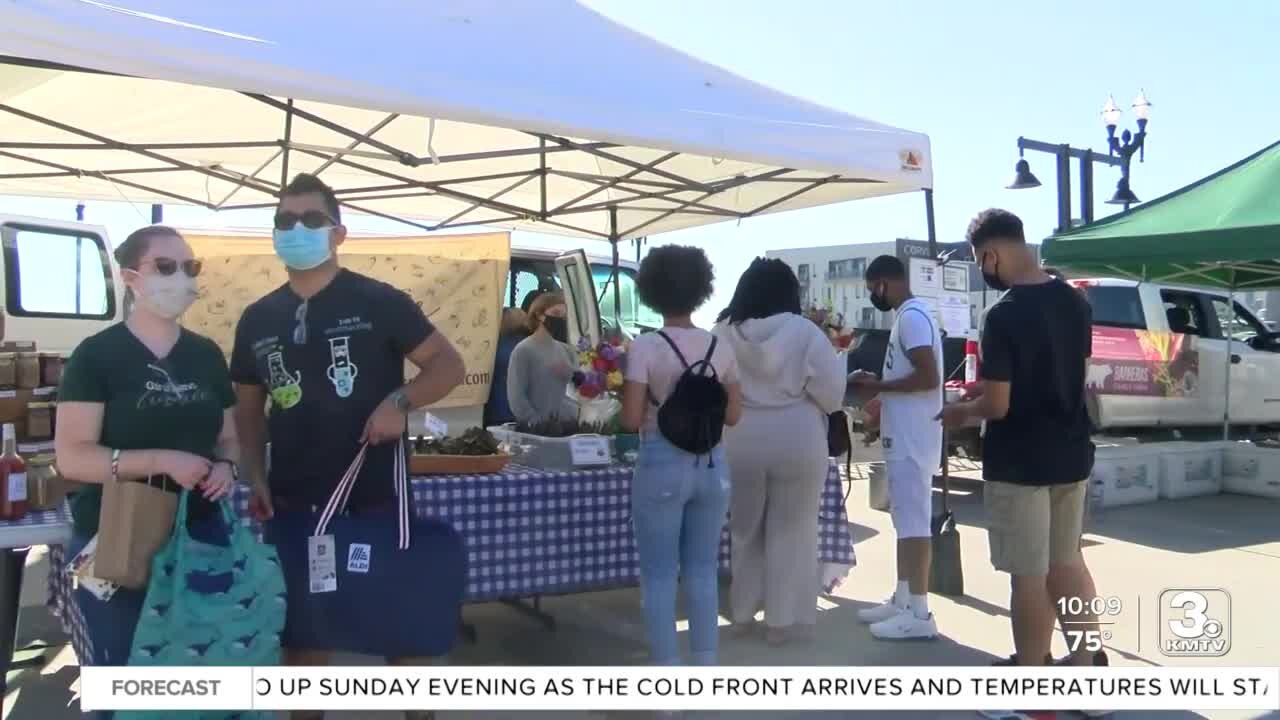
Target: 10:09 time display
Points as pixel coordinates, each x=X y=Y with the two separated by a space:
x=1094 y=606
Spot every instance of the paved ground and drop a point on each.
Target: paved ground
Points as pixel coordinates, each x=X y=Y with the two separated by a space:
x=1225 y=541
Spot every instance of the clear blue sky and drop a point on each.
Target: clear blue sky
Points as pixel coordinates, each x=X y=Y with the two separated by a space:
x=974 y=76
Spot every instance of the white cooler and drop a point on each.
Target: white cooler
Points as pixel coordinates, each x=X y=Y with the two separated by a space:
x=1190 y=469
x=1125 y=475
x=1251 y=470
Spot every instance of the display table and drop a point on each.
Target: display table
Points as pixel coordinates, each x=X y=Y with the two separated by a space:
x=530 y=533
x=42 y=527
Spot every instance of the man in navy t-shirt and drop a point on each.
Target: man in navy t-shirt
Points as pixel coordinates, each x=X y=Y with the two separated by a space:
x=328 y=348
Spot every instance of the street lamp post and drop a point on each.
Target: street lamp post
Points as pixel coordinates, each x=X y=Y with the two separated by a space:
x=1126 y=144
x=1119 y=154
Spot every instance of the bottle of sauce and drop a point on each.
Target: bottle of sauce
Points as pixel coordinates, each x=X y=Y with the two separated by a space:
x=13 y=478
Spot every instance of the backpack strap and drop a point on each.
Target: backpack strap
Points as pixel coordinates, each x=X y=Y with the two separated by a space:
x=685 y=363
x=679 y=354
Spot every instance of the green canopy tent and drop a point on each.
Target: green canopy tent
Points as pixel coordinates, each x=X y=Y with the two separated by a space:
x=1222 y=231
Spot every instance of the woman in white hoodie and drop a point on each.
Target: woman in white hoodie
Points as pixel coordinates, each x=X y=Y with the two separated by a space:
x=791 y=379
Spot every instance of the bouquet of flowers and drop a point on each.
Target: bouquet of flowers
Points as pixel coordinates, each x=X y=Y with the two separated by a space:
x=599 y=369
x=598 y=381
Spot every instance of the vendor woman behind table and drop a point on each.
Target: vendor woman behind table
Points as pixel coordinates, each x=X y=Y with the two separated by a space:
x=145 y=399
x=542 y=365
x=678 y=499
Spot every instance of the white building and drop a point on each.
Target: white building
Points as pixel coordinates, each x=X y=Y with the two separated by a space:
x=832 y=276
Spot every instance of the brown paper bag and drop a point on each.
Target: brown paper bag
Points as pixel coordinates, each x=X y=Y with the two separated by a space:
x=135 y=522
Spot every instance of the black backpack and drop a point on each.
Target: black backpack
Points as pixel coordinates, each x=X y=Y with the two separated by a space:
x=692 y=418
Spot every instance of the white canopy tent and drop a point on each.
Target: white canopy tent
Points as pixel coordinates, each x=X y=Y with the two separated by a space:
x=541 y=116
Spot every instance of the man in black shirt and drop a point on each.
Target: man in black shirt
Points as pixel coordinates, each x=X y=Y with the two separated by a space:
x=1037 y=454
x=329 y=348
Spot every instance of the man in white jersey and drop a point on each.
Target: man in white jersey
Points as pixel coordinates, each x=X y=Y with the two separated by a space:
x=911 y=399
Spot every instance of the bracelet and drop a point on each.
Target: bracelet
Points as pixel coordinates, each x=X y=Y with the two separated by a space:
x=115 y=466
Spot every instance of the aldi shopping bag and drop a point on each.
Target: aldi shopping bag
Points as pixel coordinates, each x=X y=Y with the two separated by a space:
x=211 y=605
x=377 y=583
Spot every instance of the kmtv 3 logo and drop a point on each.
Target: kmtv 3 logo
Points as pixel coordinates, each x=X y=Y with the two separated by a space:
x=358 y=558
x=1195 y=622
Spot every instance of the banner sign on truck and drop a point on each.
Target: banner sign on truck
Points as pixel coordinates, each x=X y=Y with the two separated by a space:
x=1143 y=362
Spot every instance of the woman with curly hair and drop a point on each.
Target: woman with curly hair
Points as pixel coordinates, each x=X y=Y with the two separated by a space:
x=678 y=498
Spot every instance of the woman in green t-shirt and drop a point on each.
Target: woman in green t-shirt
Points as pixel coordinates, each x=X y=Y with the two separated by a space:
x=145 y=400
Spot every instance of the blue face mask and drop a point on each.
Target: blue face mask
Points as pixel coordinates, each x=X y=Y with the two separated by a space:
x=301 y=247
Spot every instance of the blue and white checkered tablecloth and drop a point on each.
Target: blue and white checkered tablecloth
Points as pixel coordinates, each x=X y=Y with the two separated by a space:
x=39 y=527
x=530 y=532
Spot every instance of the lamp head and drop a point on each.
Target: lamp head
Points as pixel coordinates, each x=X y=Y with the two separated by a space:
x=1111 y=114
x=1022 y=177
x=1123 y=196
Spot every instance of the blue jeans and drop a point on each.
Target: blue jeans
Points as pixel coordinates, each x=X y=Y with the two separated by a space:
x=678 y=506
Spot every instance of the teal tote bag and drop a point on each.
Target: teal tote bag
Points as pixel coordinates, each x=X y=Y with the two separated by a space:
x=210 y=605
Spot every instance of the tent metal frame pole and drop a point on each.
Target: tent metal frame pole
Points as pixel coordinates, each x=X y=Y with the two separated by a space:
x=76 y=173
x=617 y=269
x=714 y=191
x=542 y=178
x=789 y=196
x=70 y=171
x=601 y=187
x=441 y=189
x=354 y=144
x=473 y=206
x=245 y=145
x=118 y=145
x=611 y=157
x=1231 y=362
x=636 y=184
x=288 y=138
x=664 y=196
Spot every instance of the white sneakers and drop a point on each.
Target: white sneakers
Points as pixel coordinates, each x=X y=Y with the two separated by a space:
x=884 y=611
x=891 y=620
x=906 y=625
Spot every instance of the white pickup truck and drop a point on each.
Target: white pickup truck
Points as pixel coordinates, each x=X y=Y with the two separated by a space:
x=1192 y=390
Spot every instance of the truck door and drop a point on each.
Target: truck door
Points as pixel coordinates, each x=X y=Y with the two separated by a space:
x=1255 y=394
x=579 y=289
x=59 y=284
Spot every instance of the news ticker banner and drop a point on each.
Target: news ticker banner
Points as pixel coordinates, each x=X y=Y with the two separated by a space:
x=652 y=688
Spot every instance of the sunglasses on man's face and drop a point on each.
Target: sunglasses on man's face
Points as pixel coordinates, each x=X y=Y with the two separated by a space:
x=168 y=266
x=313 y=219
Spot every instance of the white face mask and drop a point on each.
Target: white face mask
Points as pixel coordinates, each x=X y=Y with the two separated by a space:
x=168 y=296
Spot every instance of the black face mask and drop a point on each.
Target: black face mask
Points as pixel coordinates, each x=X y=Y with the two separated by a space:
x=558 y=327
x=993 y=278
x=879 y=301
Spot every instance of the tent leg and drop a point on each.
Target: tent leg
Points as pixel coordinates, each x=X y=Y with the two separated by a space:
x=1226 y=409
x=617 y=269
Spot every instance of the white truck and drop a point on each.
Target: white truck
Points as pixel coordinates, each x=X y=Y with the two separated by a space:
x=60 y=283
x=1162 y=353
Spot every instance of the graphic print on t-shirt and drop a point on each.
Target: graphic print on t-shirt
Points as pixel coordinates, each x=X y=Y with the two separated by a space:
x=163 y=391
x=286 y=387
x=342 y=371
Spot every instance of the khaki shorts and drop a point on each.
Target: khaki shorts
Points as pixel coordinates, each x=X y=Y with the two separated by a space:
x=1031 y=527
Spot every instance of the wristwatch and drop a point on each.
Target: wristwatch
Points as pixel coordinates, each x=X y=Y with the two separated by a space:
x=235 y=469
x=400 y=400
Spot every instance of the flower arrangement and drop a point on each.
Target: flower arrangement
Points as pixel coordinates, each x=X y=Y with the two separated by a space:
x=600 y=368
